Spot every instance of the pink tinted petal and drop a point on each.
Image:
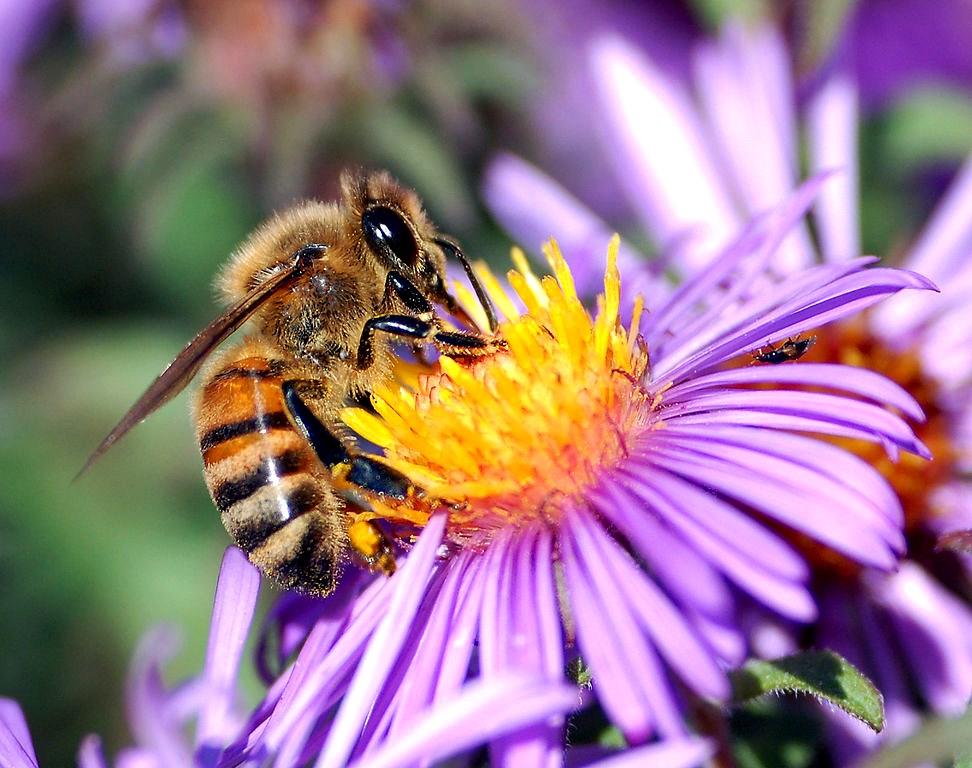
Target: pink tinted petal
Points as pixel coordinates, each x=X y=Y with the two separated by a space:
x=832 y=123
x=935 y=643
x=236 y=595
x=672 y=753
x=484 y=710
x=677 y=190
x=624 y=665
x=744 y=84
x=383 y=647
x=661 y=621
x=788 y=598
x=859 y=381
x=16 y=747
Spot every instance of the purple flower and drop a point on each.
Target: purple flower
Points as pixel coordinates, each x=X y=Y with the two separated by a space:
x=739 y=123
x=588 y=495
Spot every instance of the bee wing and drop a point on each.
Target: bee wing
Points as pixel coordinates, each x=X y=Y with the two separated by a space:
x=181 y=370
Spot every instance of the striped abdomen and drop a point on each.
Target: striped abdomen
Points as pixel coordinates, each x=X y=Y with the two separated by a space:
x=270 y=488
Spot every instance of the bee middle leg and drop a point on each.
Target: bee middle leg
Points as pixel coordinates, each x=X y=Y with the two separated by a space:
x=362 y=471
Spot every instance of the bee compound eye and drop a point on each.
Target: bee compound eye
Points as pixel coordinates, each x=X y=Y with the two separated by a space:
x=386 y=229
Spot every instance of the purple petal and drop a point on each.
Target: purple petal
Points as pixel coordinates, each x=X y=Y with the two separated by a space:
x=628 y=677
x=149 y=715
x=463 y=633
x=830 y=461
x=685 y=574
x=778 y=470
x=321 y=670
x=16 y=747
x=417 y=690
x=823 y=407
x=791 y=505
x=679 y=189
x=744 y=83
x=91 y=754
x=940 y=253
x=832 y=122
x=844 y=296
x=889 y=669
x=532 y=207
x=521 y=633
x=935 y=642
x=715 y=520
x=788 y=598
x=383 y=648
x=673 y=753
x=661 y=620
x=483 y=711
x=860 y=381
x=236 y=595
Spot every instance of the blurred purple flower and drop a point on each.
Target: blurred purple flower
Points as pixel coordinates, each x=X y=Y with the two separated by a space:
x=160 y=717
x=733 y=138
x=133 y=31
x=900 y=44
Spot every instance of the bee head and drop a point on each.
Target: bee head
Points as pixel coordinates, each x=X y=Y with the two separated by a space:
x=395 y=228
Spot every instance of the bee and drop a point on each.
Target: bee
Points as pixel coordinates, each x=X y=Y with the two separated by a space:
x=791 y=349
x=331 y=288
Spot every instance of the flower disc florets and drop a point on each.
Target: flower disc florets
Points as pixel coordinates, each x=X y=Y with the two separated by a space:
x=505 y=441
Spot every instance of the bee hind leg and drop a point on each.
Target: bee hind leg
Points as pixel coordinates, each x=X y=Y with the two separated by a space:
x=367 y=539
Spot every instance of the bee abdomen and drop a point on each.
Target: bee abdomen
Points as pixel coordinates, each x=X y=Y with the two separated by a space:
x=265 y=479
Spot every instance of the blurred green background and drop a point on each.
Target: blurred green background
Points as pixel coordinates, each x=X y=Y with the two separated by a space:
x=139 y=142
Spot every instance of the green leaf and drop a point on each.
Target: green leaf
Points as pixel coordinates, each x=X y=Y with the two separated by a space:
x=822 y=674
x=937 y=740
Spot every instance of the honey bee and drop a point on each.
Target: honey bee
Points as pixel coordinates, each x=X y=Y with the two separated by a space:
x=791 y=349
x=330 y=288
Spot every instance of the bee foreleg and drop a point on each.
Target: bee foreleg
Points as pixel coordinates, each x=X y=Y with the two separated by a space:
x=452 y=249
x=413 y=299
x=416 y=328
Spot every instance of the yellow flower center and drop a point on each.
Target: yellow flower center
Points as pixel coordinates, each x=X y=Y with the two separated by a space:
x=510 y=439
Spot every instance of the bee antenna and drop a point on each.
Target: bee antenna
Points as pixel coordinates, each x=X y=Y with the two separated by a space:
x=453 y=249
